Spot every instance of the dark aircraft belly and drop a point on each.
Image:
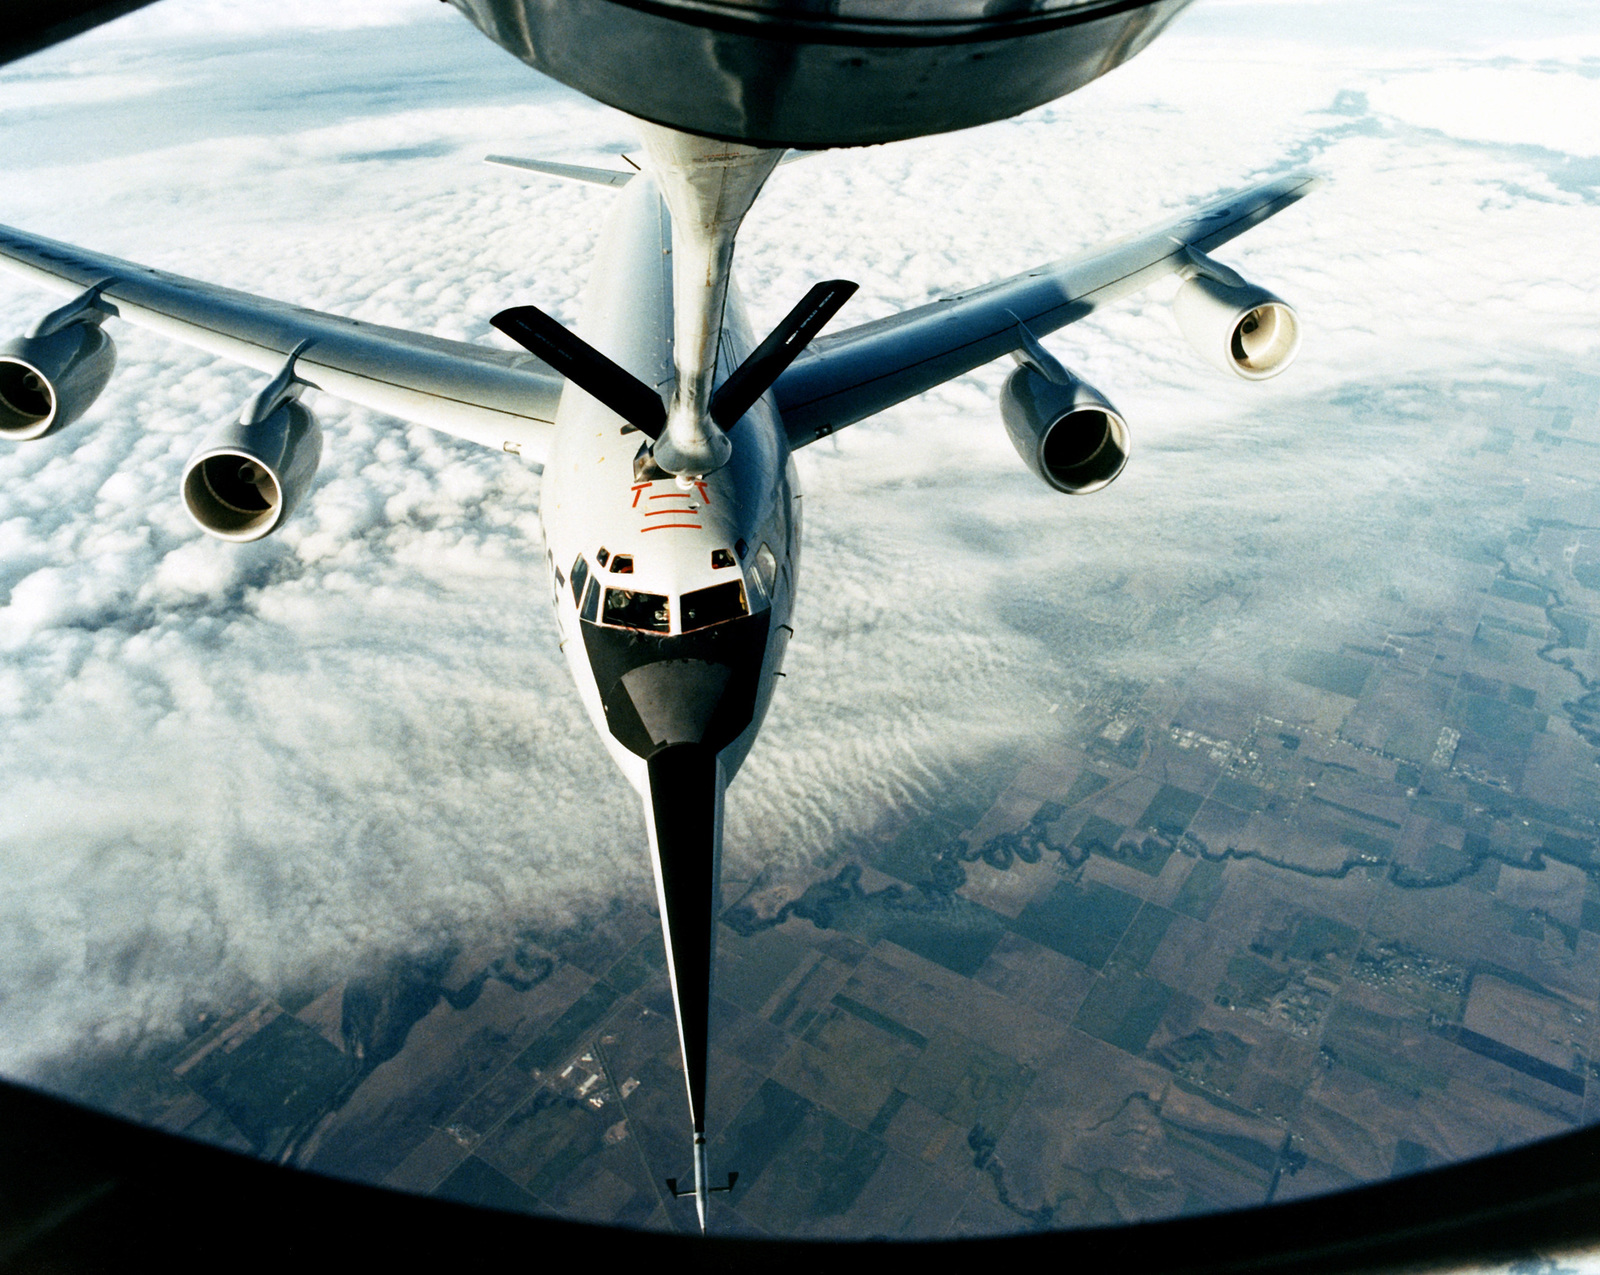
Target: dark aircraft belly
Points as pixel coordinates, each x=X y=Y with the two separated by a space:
x=814 y=73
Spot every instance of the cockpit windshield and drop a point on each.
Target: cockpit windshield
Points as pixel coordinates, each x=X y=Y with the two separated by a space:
x=705 y=607
x=631 y=609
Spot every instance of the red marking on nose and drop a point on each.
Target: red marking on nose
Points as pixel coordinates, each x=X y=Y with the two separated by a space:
x=671 y=495
x=663 y=526
x=656 y=513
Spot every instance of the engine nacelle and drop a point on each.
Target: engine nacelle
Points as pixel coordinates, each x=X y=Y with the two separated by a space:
x=51 y=377
x=1241 y=328
x=1064 y=429
x=248 y=475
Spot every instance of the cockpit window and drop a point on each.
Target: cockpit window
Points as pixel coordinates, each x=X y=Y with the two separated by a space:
x=603 y=556
x=630 y=609
x=710 y=606
x=580 y=576
x=622 y=564
x=721 y=558
x=766 y=571
x=591 y=599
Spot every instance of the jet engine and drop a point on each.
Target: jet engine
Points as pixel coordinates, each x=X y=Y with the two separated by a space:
x=1231 y=322
x=248 y=475
x=1063 y=428
x=50 y=377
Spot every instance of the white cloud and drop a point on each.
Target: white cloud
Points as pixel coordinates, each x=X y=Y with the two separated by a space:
x=231 y=18
x=1551 y=106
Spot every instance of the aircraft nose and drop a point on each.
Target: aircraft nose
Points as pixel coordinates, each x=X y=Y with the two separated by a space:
x=677 y=701
x=664 y=690
x=660 y=691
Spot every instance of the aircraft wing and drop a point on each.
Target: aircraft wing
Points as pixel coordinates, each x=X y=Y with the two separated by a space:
x=504 y=399
x=849 y=376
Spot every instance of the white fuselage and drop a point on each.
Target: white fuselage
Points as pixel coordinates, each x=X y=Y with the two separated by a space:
x=673 y=594
x=669 y=528
x=676 y=655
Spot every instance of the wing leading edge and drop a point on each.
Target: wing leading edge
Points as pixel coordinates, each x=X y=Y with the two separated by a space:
x=504 y=399
x=847 y=377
